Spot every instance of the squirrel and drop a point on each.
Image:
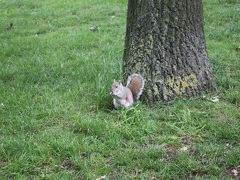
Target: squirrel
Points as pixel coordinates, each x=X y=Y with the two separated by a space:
x=126 y=96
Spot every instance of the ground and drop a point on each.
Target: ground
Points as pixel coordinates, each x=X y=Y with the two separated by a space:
x=58 y=60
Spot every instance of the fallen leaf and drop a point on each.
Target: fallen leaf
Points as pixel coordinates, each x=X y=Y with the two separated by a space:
x=94 y=28
x=100 y=178
x=235 y=172
x=215 y=99
x=185 y=148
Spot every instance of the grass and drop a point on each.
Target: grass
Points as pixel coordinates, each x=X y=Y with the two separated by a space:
x=58 y=59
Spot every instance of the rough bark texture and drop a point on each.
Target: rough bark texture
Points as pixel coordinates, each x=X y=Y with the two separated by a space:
x=165 y=43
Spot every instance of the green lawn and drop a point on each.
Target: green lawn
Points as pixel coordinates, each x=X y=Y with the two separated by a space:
x=57 y=62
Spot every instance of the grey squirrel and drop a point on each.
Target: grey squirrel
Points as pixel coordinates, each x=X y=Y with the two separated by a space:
x=125 y=96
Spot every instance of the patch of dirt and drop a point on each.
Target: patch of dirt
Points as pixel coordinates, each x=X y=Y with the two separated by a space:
x=70 y=167
x=195 y=175
x=109 y=161
x=186 y=141
x=171 y=153
x=187 y=145
x=136 y=172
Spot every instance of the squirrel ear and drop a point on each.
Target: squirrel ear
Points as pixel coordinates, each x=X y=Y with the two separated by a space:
x=114 y=80
x=120 y=82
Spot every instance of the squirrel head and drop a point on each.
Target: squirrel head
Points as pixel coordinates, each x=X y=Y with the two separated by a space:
x=117 y=89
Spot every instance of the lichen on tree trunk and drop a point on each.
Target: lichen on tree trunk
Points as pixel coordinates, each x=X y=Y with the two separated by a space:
x=165 y=43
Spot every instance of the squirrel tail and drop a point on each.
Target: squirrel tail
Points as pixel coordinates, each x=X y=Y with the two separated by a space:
x=135 y=83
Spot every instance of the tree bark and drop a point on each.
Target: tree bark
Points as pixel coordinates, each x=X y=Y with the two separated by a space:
x=165 y=43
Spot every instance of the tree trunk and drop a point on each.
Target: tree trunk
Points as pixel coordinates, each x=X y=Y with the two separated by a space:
x=165 y=43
